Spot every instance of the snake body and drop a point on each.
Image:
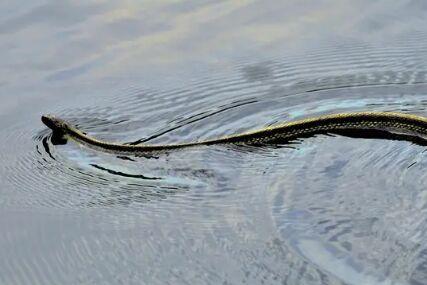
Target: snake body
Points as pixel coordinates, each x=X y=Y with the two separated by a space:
x=413 y=127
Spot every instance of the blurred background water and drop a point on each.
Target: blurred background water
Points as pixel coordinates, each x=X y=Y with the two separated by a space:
x=322 y=210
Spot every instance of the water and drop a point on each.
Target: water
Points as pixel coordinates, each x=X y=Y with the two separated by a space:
x=322 y=210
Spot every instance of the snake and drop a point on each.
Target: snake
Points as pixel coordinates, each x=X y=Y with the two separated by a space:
x=394 y=125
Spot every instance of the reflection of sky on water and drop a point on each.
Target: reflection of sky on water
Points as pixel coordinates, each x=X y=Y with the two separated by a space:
x=63 y=43
x=200 y=69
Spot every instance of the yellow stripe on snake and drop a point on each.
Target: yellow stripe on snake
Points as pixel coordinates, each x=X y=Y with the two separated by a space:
x=399 y=126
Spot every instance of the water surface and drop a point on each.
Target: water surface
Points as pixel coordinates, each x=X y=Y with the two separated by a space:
x=323 y=210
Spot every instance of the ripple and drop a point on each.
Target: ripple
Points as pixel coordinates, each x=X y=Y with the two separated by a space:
x=359 y=208
x=326 y=209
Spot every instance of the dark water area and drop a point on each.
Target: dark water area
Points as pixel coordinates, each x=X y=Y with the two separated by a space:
x=323 y=210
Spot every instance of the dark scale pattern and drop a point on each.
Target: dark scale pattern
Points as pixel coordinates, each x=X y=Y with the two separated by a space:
x=387 y=125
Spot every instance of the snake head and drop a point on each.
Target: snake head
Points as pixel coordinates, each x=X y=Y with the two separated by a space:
x=56 y=124
x=59 y=128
